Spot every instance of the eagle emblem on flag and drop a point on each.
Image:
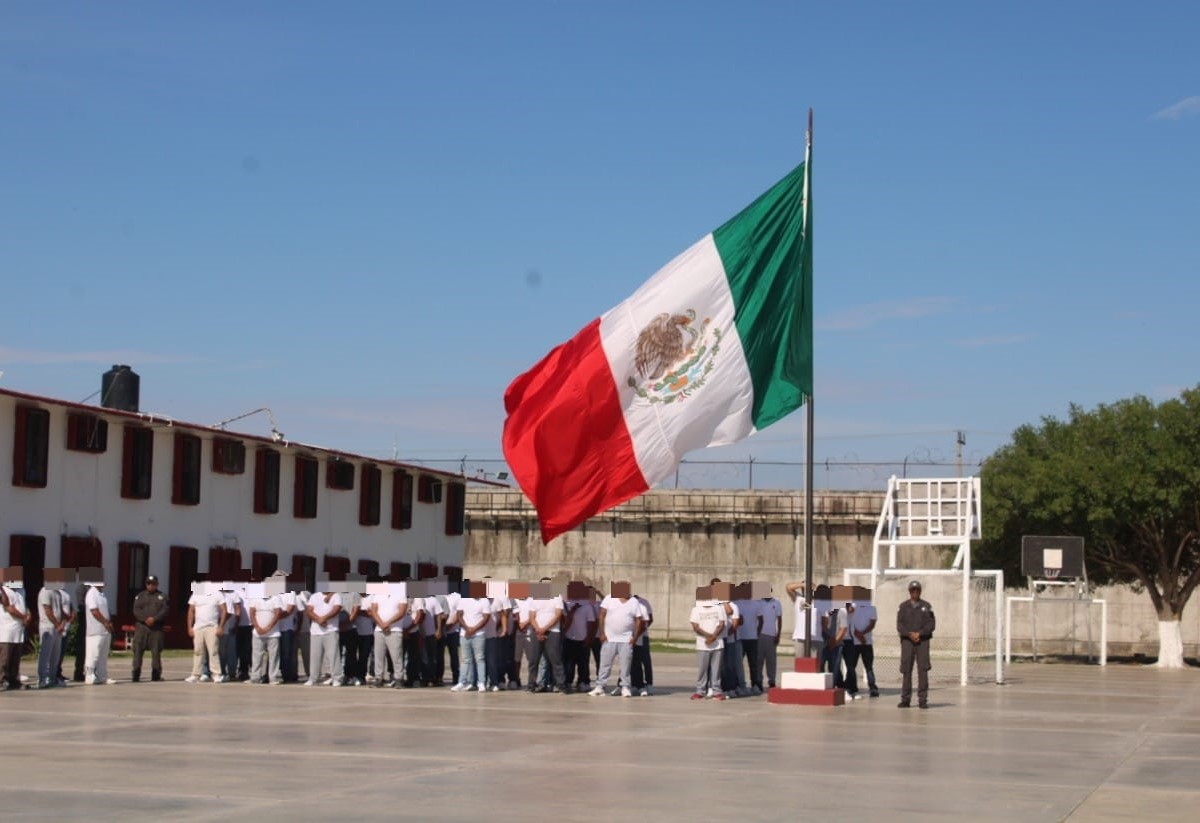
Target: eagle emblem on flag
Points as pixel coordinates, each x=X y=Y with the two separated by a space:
x=673 y=356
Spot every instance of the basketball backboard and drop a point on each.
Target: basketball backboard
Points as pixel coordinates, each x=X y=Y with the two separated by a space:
x=1052 y=558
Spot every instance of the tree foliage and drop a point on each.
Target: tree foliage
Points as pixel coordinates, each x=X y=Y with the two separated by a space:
x=1125 y=477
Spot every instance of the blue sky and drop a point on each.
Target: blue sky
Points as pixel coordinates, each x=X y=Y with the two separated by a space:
x=371 y=217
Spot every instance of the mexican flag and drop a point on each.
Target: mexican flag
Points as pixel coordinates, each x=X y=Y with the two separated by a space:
x=714 y=347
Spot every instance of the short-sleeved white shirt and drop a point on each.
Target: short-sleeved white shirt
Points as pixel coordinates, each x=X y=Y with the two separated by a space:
x=432 y=609
x=543 y=611
x=322 y=608
x=207 y=609
x=862 y=617
x=800 y=609
x=244 y=613
x=452 y=600
x=264 y=608
x=497 y=606
x=473 y=610
x=732 y=617
x=647 y=613
x=388 y=608
x=12 y=629
x=287 y=600
x=709 y=615
x=364 y=625
x=48 y=597
x=95 y=599
x=620 y=618
x=233 y=611
x=771 y=612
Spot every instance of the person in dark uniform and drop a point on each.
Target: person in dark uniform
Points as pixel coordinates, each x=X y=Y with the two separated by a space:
x=915 y=624
x=150 y=614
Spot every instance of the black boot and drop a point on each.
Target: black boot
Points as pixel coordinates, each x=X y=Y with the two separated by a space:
x=137 y=676
x=156 y=675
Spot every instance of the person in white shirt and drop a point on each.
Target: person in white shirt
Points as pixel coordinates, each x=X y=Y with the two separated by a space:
x=69 y=595
x=621 y=626
x=474 y=614
x=243 y=636
x=580 y=631
x=411 y=627
x=265 y=614
x=493 y=644
x=448 y=643
x=364 y=636
x=287 y=637
x=51 y=623
x=303 y=632
x=643 y=669
x=99 y=636
x=708 y=622
x=747 y=635
x=545 y=618
x=768 y=639
x=733 y=676
x=430 y=634
x=205 y=618
x=388 y=611
x=323 y=610
x=798 y=592
x=15 y=617
x=227 y=648
x=863 y=617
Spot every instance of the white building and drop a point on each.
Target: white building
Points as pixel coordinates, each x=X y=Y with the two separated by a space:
x=139 y=494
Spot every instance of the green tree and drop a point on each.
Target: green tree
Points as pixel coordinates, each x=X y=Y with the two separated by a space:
x=1125 y=477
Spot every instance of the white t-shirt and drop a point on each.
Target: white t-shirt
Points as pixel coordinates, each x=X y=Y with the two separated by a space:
x=322 y=608
x=583 y=612
x=287 y=600
x=451 y=611
x=233 y=611
x=543 y=611
x=732 y=617
x=244 y=612
x=95 y=599
x=364 y=625
x=264 y=613
x=750 y=610
x=647 y=614
x=429 y=622
x=834 y=620
x=472 y=610
x=12 y=630
x=388 y=608
x=771 y=612
x=48 y=597
x=303 y=621
x=709 y=615
x=620 y=618
x=799 y=628
x=862 y=617
x=497 y=606
x=207 y=608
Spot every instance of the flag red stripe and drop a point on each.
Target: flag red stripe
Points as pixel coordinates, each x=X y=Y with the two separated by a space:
x=565 y=437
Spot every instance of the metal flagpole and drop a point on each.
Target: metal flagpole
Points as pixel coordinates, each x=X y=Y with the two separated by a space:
x=808 y=436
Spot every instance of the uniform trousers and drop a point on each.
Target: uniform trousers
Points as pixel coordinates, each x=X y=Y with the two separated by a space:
x=620 y=651
x=576 y=659
x=866 y=653
x=267 y=647
x=448 y=645
x=642 y=671
x=552 y=648
x=733 y=675
x=205 y=644
x=49 y=656
x=95 y=662
x=750 y=653
x=914 y=653
x=324 y=651
x=523 y=642
x=850 y=659
x=708 y=674
x=493 y=655
x=144 y=638
x=287 y=655
x=766 y=658
x=244 y=634
x=388 y=643
x=304 y=650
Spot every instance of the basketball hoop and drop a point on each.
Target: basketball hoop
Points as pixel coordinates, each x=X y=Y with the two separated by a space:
x=1052 y=574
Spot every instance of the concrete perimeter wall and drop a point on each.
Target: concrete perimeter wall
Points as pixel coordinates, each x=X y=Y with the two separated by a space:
x=666 y=543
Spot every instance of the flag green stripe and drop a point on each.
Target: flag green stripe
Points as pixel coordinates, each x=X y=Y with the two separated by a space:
x=767 y=255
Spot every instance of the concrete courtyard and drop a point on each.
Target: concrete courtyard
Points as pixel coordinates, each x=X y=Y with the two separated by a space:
x=1058 y=742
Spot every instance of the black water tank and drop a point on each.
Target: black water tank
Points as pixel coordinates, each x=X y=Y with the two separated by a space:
x=119 y=389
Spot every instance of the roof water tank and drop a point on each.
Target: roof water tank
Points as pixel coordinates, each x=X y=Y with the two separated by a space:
x=119 y=389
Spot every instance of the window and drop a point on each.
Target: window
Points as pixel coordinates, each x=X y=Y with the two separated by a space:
x=339 y=474
x=229 y=456
x=369 y=493
x=337 y=567
x=185 y=563
x=456 y=507
x=453 y=574
x=266 y=481
x=402 y=499
x=31 y=447
x=133 y=564
x=29 y=552
x=304 y=502
x=81 y=552
x=185 y=481
x=369 y=569
x=86 y=433
x=429 y=489
x=263 y=564
x=400 y=572
x=225 y=564
x=137 y=463
x=304 y=567
x=426 y=571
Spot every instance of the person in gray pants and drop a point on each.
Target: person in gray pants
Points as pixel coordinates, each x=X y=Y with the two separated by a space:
x=708 y=622
x=325 y=646
x=915 y=624
x=265 y=614
x=388 y=611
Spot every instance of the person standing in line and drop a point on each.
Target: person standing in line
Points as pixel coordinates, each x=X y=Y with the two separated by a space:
x=287 y=636
x=915 y=623
x=580 y=631
x=862 y=623
x=15 y=618
x=448 y=644
x=388 y=611
x=642 y=670
x=621 y=626
x=227 y=648
x=835 y=628
x=523 y=639
x=798 y=592
x=205 y=618
x=493 y=631
x=303 y=633
x=474 y=613
x=747 y=635
x=243 y=634
x=733 y=676
x=51 y=628
x=411 y=626
x=430 y=634
x=265 y=613
x=69 y=597
x=545 y=618
x=364 y=636
x=849 y=654
x=150 y=615
x=768 y=639
x=708 y=622
x=324 y=608
x=348 y=637
x=99 y=636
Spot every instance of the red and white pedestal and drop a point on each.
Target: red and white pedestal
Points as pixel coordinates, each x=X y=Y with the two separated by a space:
x=805 y=686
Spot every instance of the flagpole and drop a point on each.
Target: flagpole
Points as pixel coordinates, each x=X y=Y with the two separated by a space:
x=808 y=436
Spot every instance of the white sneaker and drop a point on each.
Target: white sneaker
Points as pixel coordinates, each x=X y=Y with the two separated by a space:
x=370 y=678
x=495 y=688
x=333 y=681
x=191 y=678
x=459 y=687
x=204 y=678
x=597 y=692
x=90 y=680
x=615 y=692
x=309 y=683
x=110 y=682
x=220 y=678
x=625 y=692
x=644 y=693
x=481 y=687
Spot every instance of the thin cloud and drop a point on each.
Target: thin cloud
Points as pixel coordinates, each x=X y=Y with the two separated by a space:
x=996 y=340
x=866 y=315
x=34 y=357
x=1184 y=108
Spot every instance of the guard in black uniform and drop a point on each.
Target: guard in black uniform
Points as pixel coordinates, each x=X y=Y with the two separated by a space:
x=915 y=624
x=150 y=614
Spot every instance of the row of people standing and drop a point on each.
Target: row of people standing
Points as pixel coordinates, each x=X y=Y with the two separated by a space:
x=737 y=642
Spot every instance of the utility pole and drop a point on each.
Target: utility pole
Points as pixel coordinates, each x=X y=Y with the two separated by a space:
x=959 y=441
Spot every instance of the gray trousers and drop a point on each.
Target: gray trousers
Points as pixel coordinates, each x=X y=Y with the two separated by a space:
x=325 y=651
x=766 y=658
x=624 y=653
x=268 y=646
x=708 y=675
x=552 y=646
x=391 y=643
x=48 y=656
x=909 y=653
